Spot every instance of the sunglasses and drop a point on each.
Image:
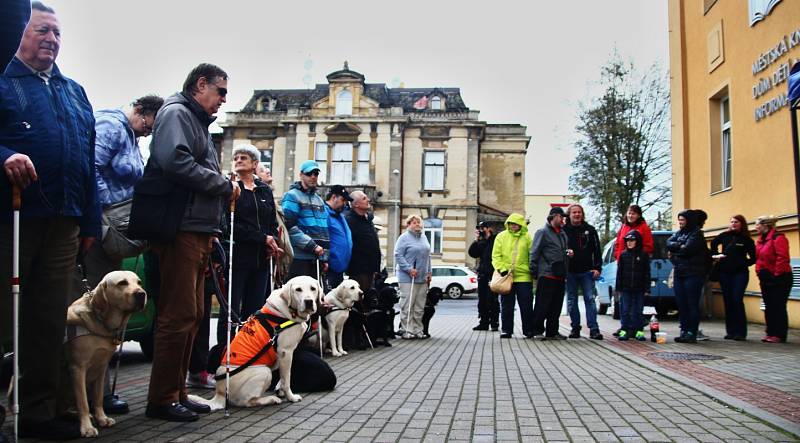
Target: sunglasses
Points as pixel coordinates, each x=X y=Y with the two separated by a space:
x=312 y=173
x=221 y=91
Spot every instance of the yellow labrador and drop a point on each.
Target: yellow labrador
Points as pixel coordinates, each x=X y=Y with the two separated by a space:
x=295 y=301
x=94 y=324
x=341 y=298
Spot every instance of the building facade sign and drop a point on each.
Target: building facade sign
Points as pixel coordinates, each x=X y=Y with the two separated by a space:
x=774 y=78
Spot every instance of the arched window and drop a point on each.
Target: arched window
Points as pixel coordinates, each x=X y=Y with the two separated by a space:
x=436 y=104
x=344 y=103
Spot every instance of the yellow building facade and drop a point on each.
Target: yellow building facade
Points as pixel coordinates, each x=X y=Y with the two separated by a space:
x=731 y=131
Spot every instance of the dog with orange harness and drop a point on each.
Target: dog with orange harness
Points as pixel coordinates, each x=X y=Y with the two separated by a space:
x=265 y=342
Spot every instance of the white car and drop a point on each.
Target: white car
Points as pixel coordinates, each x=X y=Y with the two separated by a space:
x=452 y=281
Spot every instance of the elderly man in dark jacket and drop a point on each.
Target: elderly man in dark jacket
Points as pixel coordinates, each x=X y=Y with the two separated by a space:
x=47 y=152
x=548 y=263
x=366 y=259
x=183 y=155
x=584 y=269
x=488 y=305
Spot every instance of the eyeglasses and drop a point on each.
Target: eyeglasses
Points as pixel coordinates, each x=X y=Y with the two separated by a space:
x=221 y=91
x=312 y=173
x=242 y=157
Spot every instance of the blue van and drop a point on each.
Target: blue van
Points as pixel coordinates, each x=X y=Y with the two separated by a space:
x=661 y=296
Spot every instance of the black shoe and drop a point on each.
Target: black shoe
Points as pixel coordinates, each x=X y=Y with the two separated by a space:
x=55 y=429
x=505 y=335
x=387 y=344
x=575 y=333
x=170 y=412
x=555 y=337
x=528 y=335
x=481 y=328
x=495 y=328
x=596 y=335
x=196 y=407
x=728 y=337
x=616 y=333
x=114 y=406
x=739 y=338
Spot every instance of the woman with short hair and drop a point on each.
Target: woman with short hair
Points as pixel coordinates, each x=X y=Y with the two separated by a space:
x=775 y=276
x=412 y=258
x=734 y=251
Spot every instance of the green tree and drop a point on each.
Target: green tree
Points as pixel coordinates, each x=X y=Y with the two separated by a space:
x=623 y=147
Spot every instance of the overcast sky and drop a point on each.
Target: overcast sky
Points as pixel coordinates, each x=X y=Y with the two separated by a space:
x=526 y=62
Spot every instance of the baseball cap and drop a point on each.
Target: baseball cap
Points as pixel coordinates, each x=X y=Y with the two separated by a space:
x=308 y=166
x=481 y=225
x=557 y=210
x=340 y=190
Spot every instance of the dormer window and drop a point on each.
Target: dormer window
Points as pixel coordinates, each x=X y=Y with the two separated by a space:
x=436 y=104
x=344 y=103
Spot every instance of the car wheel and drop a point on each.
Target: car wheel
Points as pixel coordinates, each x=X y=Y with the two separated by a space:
x=455 y=291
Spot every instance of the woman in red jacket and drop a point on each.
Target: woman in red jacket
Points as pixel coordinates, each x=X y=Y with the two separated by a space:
x=634 y=221
x=775 y=277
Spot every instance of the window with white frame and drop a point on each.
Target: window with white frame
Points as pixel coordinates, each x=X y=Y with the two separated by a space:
x=432 y=227
x=433 y=172
x=436 y=103
x=344 y=103
x=340 y=165
x=726 y=157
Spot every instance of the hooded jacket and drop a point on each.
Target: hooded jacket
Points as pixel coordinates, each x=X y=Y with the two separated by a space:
x=118 y=161
x=307 y=221
x=503 y=249
x=549 y=253
x=341 y=241
x=688 y=250
x=183 y=154
x=772 y=255
x=633 y=268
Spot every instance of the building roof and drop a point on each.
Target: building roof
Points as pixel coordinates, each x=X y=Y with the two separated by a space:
x=386 y=97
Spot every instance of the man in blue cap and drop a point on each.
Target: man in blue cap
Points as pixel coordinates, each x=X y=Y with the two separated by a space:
x=307 y=222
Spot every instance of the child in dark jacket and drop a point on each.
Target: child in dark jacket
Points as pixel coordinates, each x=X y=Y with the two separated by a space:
x=633 y=281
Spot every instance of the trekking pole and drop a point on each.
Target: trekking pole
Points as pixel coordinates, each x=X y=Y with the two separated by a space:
x=230 y=291
x=319 y=318
x=16 y=200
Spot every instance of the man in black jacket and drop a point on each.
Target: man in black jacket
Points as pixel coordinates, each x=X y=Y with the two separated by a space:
x=584 y=269
x=488 y=305
x=366 y=259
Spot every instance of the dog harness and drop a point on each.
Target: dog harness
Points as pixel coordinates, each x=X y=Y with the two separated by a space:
x=255 y=342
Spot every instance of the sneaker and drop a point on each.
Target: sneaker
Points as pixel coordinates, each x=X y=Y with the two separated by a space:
x=202 y=380
x=687 y=337
x=481 y=328
x=701 y=336
x=596 y=335
x=622 y=335
x=422 y=335
x=771 y=339
x=575 y=333
x=616 y=333
x=409 y=336
x=640 y=335
x=505 y=335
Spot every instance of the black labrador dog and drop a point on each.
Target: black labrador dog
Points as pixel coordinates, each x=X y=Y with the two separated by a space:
x=433 y=298
x=379 y=305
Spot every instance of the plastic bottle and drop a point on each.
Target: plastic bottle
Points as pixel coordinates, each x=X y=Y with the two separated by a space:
x=654 y=328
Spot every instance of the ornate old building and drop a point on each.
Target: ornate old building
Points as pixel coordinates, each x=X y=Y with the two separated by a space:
x=412 y=150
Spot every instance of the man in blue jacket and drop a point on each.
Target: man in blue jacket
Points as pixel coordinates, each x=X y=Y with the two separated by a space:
x=307 y=222
x=47 y=150
x=339 y=233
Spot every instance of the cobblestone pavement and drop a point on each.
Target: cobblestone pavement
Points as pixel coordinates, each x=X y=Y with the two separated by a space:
x=465 y=385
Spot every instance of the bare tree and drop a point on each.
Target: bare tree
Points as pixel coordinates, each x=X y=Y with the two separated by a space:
x=623 y=149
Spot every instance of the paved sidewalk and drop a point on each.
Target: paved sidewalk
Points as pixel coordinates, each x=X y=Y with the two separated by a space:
x=473 y=386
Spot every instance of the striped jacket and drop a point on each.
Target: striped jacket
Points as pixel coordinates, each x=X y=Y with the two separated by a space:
x=307 y=221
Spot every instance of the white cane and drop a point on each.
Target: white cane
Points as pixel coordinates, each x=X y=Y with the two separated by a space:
x=17 y=205
x=410 y=303
x=319 y=320
x=230 y=291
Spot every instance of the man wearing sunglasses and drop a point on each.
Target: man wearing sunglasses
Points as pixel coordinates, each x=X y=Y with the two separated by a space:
x=307 y=221
x=183 y=157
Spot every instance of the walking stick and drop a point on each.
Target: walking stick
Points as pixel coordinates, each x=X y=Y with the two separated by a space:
x=319 y=320
x=16 y=200
x=230 y=291
x=410 y=302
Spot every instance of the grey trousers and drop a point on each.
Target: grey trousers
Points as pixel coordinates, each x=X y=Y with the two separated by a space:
x=418 y=292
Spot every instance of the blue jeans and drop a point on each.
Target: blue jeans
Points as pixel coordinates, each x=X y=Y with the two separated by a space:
x=522 y=292
x=584 y=280
x=688 y=289
x=631 y=304
x=733 y=286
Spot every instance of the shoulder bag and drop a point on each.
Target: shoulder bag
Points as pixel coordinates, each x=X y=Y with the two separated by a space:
x=501 y=284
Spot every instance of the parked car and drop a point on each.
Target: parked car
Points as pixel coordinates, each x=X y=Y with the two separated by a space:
x=140 y=325
x=661 y=296
x=451 y=281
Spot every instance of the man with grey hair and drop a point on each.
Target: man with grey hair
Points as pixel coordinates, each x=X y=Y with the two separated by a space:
x=366 y=262
x=264 y=174
x=47 y=151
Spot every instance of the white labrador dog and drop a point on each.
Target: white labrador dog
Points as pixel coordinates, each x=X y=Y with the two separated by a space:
x=295 y=301
x=341 y=298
